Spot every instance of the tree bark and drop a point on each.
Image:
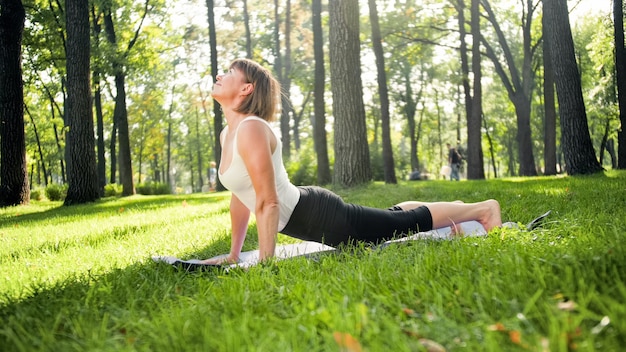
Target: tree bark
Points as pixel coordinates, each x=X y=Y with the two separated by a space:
x=319 y=127
x=97 y=73
x=218 y=123
x=578 y=150
x=518 y=82
x=120 y=113
x=14 y=187
x=352 y=160
x=283 y=69
x=475 y=164
x=620 y=67
x=246 y=23
x=549 y=120
x=82 y=174
x=383 y=93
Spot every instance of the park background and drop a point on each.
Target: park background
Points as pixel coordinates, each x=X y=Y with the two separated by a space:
x=107 y=99
x=411 y=80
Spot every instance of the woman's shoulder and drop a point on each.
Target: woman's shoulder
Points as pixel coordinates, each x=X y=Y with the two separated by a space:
x=254 y=118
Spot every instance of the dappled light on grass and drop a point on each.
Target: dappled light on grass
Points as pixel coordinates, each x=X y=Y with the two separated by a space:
x=81 y=278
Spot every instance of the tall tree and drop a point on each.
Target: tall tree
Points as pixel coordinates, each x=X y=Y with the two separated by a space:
x=14 y=189
x=577 y=147
x=519 y=81
x=121 y=112
x=549 y=119
x=218 y=123
x=246 y=24
x=352 y=160
x=620 y=68
x=81 y=173
x=282 y=66
x=383 y=93
x=97 y=100
x=319 y=126
x=475 y=165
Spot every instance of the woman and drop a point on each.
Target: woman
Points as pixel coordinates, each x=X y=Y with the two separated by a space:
x=252 y=169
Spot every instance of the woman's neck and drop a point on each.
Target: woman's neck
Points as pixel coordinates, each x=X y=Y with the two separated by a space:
x=233 y=118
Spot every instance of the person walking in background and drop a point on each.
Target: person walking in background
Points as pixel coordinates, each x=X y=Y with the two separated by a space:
x=454 y=159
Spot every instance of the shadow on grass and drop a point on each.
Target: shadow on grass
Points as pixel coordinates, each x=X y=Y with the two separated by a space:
x=74 y=313
x=112 y=205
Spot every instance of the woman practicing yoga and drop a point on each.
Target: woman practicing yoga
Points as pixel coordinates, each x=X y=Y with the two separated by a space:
x=252 y=169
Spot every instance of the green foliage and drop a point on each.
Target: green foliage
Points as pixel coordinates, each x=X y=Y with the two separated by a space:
x=302 y=168
x=81 y=279
x=112 y=190
x=36 y=193
x=153 y=188
x=55 y=192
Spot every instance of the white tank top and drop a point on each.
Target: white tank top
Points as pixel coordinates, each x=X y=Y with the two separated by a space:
x=237 y=180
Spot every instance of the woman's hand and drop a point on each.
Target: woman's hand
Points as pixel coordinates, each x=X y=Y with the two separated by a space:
x=221 y=260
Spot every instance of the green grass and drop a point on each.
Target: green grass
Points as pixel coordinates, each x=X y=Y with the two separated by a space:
x=81 y=278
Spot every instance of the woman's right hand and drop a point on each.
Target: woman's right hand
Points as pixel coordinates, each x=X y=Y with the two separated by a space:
x=221 y=260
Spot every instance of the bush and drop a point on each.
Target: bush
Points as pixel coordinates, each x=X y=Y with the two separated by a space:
x=56 y=192
x=302 y=169
x=36 y=194
x=152 y=188
x=112 y=190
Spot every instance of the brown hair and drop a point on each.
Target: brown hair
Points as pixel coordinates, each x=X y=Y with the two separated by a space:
x=265 y=98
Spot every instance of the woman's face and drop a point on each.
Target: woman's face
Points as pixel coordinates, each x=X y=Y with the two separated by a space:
x=228 y=86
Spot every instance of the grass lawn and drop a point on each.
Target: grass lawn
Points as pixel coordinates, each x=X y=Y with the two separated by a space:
x=81 y=278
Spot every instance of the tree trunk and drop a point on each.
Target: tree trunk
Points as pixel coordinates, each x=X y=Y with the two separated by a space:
x=410 y=109
x=113 y=152
x=39 y=151
x=120 y=113
x=319 y=125
x=199 y=153
x=475 y=164
x=14 y=188
x=620 y=67
x=58 y=144
x=97 y=73
x=282 y=72
x=577 y=147
x=383 y=92
x=352 y=160
x=82 y=174
x=217 y=110
x=518 y=84
x=549 y=121
x=464 y=59
x=246 y=24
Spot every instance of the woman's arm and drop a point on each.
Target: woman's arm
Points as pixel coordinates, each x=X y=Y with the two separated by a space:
x=256 y=143
x=239 y=217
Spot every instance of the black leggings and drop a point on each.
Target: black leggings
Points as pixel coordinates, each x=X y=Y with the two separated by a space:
x=322 y=216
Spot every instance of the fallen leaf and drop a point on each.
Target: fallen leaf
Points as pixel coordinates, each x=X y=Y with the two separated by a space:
x=496 y=327
x=347 y=342
x=516 y=337
x=408 y=311
x=431 y=346
x=567 y=305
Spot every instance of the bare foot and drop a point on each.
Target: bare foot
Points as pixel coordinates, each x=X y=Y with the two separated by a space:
x=492 y=217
